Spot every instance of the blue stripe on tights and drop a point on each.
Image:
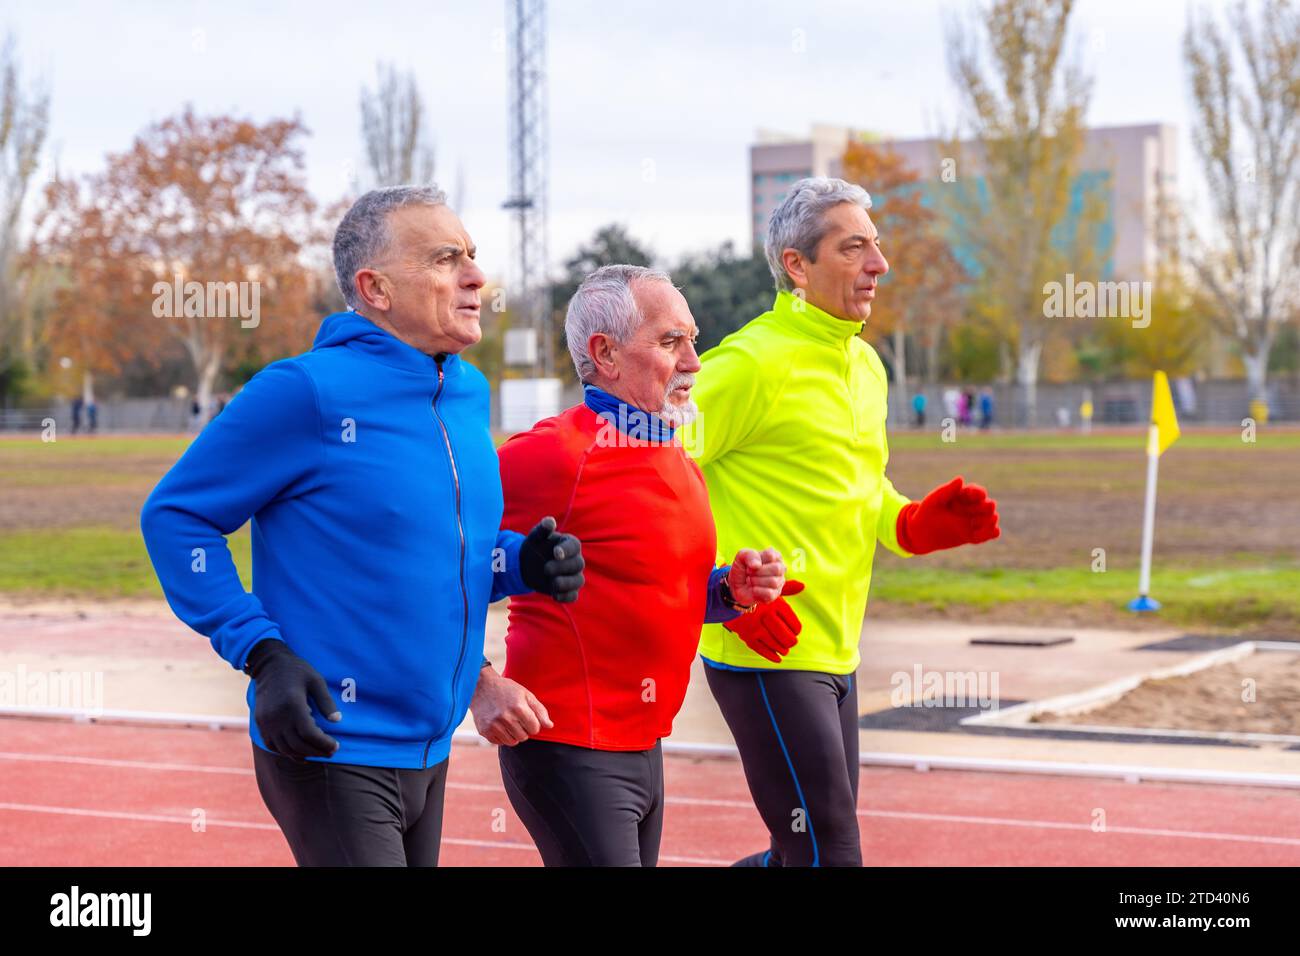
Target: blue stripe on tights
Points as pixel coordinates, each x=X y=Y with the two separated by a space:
x=797 y=789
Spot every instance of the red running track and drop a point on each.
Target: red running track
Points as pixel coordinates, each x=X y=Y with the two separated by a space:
x=103 y=795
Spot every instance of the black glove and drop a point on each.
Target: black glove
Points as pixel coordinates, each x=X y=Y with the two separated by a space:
x=551 y=563
x=284 y=683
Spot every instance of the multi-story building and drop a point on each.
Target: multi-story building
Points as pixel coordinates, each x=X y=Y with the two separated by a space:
x=1134 y=162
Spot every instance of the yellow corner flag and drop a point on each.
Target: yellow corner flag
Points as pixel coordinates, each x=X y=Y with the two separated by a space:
x=1161 y=433
x=1163 y=415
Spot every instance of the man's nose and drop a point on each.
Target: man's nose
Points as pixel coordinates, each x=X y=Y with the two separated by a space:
x=473 y=277
x=876 y=263
x=690 y=361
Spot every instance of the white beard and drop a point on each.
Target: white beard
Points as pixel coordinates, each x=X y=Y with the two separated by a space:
x=678 y=415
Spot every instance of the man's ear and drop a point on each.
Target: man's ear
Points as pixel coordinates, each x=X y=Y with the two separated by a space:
x=601 y=348
x=795 y=266
x=372 y=286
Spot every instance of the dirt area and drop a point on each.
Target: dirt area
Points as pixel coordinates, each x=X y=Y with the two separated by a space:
x=1210 y=699
x=82 y=486
x=1056 y=505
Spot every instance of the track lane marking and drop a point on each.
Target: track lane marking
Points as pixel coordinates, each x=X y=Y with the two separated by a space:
x=698 y=801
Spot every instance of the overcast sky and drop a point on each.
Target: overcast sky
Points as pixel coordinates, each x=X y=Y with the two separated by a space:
x=681 y=84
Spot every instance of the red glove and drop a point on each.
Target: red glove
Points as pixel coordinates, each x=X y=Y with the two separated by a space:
x=952 y=514
x=771 y=629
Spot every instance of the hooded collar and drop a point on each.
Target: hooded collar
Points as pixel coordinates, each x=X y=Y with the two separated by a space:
x=811 y=322
x=358 y=333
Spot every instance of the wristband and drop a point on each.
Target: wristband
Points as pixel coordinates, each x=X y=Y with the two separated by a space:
x=724 y=590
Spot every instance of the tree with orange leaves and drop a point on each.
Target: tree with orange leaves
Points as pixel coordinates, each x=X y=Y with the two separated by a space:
x=196 y=233
x=922 y=292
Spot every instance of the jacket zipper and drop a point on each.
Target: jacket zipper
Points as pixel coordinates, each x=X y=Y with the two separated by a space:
x=464 y=595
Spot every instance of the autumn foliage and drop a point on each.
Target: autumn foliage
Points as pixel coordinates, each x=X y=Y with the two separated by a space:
x=195 y=199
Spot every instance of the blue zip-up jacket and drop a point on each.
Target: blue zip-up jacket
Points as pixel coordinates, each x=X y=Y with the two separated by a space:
x=372 y=483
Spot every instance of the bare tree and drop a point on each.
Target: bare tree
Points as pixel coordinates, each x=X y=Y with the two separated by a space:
x=393 y=127
x=24 y=123
x=1024 y=112
x=1247 y=135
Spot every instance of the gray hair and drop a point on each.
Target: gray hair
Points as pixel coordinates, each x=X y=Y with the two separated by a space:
x=363 y=234
x=798 y=223
x=605 y=303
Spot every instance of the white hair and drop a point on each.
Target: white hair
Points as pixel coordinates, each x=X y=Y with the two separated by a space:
x=363 y=234
x=605 y=303
x=799 y=222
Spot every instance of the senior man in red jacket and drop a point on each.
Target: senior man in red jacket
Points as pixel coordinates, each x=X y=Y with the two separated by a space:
x=591 y=687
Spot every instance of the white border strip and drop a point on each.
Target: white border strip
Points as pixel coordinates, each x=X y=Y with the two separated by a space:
x=1021 y=716
x=81 y=715
x=1132 y=773
x=1083 y=701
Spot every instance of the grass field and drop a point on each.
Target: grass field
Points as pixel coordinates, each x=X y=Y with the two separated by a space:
x=1226 y=551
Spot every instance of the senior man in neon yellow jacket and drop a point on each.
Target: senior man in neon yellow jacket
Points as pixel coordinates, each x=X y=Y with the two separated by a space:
x=791 y=439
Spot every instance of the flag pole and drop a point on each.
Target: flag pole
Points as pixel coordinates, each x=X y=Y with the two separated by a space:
x=1144 y=601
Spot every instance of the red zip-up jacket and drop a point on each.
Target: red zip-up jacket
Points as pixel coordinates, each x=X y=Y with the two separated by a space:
x=612 y=667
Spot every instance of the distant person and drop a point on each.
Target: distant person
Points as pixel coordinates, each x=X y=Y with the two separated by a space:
x=986 y=408
x=951 y=402
x=967 y=406
x=92 y=416
x=1085 y=414
x=78 y=404
x=369 y=473
x=918 y=408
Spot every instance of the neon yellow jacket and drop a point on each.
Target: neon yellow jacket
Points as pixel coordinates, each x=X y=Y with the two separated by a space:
x=791 y=439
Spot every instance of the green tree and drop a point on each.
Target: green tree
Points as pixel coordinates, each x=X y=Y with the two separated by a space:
x=611 y=245
x=724 y=290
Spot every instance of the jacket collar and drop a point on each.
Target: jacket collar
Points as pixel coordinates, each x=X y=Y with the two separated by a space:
x=358 y=333
x=807 y=320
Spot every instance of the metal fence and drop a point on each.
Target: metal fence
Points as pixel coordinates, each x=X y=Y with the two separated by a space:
x=1210 y=402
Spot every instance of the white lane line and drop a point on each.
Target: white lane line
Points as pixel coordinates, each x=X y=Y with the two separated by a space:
x=725 y=804
x=252 y=825
x=129 y=764
x=139 y=817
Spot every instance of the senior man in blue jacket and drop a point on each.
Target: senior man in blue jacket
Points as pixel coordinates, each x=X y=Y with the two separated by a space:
x=370 y=476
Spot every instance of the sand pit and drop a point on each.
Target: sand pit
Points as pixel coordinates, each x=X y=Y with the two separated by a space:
x=1257 y=694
